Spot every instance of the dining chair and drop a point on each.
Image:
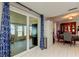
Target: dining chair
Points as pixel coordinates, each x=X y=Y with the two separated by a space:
x=67 y=37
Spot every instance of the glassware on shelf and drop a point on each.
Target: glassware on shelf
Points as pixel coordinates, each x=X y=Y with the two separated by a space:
x=73 y=30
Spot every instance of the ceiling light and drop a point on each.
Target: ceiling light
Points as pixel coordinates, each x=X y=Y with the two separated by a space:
x=71 y=15
x=70 y=18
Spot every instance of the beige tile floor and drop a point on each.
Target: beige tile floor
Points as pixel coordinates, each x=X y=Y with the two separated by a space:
x=56 y=50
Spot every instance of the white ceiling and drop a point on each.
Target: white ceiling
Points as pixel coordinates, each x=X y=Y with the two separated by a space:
x=50 y=9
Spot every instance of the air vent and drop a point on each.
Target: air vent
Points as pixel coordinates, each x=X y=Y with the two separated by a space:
x=72 y=9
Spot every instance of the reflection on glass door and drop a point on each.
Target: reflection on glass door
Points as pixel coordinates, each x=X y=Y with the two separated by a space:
x=33 y=29
x=25 y=30
x=20 y=30
x=18 y=33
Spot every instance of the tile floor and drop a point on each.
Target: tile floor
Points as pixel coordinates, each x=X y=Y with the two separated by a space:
x=56 y=50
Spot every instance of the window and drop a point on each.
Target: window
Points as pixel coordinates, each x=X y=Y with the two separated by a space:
x=25 y=29
x=12 y=29
x=19 y=29
x=30 y=30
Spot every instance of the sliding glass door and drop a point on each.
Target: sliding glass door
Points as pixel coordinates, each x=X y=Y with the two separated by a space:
x=18 y=33
x=24 y=32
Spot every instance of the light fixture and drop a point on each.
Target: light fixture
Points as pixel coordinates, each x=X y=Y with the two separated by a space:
x=71 y=15
x=73 y=9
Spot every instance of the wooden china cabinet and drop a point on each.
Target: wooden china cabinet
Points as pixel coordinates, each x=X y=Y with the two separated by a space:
x=68 y=27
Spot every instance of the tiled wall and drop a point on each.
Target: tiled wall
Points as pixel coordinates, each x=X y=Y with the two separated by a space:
x=0 y=11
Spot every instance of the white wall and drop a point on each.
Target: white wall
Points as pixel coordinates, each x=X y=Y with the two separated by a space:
x=49 y=32
x=55 y=29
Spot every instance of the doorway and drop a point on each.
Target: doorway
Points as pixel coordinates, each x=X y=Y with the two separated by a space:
x=33 y=28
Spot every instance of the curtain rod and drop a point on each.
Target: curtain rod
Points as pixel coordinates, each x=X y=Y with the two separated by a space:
x=28 y=8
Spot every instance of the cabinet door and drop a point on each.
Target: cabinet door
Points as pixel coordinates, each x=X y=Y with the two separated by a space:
x=69 y=27
x=74 y=28
x=66 y=27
